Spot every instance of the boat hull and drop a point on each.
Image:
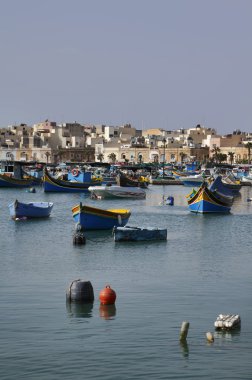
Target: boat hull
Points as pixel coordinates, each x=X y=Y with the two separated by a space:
x=139 y=234
x=30 y=210
x=92 y=218
x=110 y=192
x=61 y=186
x=6 y=181
x=204 y=201
x=125 y=181
x=191 y=182
x=225 y=188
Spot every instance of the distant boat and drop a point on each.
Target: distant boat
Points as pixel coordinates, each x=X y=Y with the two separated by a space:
x=92 y=218
x=14 y=176
x=129 y=233
x=206 y=201
x=30 y=210
x=107 y=192
x=192 y=180
x=52 y=184
x=220 y=185
x=126 y=181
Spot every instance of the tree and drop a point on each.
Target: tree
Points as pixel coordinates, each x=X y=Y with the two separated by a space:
x=112 y=157
x=222 y=157
x=182 y=156
x=249 y=146
x=216 y=152
x=231 y=156
x=100 y=157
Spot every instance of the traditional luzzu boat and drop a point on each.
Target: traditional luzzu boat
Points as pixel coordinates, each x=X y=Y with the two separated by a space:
x=114 y=191
x=230 y=189
x=92 y=218
x=8 y=181
x=77 y=182
x=129 y=233
x=125 y=181
x=206 y=201
x=20 y=210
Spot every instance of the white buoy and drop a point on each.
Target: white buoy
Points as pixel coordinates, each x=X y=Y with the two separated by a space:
x=210 y=337
x=184 y=330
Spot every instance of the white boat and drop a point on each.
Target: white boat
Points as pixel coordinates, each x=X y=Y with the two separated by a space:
x=192 y=180
x=247 y=179
x=114 y=191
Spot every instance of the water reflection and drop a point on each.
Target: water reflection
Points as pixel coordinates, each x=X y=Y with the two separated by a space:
x=226 y=335
x=79 y=310
x=107 y=311
x=184 y=348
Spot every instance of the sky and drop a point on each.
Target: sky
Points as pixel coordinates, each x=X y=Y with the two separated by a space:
x=152 y=63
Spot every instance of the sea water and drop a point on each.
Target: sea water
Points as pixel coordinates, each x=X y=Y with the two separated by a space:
x=203 y=270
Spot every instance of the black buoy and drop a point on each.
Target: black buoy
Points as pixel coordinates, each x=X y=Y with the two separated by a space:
x=80 y=291
x=79 y=238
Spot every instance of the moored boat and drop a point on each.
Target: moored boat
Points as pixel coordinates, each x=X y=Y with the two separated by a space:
x=52 y=184
x=126 y=181
x=129 y=233
x=205 y=201
x=30 y=210
x=231 y=189
x=192 y=180
x=8 y=181
x=92 y=218
x=114 y=191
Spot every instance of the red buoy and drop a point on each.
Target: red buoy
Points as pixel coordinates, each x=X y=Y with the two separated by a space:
x=107 y=296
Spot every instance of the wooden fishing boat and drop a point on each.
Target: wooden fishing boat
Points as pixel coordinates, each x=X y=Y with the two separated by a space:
x=92 y=218
x=8 y=181
x=114 y=191
x=126 y=181
x=129 y=233
x=192 y=180
x=30 y=210
x=206 y=201
x=52 y=184
x=231 y=189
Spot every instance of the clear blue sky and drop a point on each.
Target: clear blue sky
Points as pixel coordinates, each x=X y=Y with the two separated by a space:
x=155 y=64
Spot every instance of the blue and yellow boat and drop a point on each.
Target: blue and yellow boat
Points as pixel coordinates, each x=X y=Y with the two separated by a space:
x=9 y=181
x=92 y=218
x=205 y=201
x=77 y=182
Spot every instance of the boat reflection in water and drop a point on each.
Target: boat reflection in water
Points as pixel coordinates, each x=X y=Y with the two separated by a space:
x=79 y=310
x=107 y=311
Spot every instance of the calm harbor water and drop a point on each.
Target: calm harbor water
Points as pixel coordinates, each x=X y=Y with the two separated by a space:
x=204 y=269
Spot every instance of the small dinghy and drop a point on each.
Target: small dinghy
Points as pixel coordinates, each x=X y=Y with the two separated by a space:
x=129 y=233
x=20 y=210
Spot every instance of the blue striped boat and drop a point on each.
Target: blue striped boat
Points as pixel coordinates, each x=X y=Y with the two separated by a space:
x=52 y=184
x=231 y=189
x=8 y=181
x=206 y=201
